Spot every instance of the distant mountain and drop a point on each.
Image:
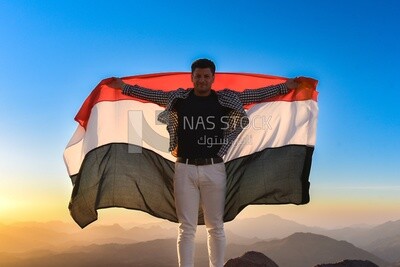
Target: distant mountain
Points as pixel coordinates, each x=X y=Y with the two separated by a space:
x=22 y=237
x=297 y=250
x=307 y=249
x=19 y=239
x=387 y=248
x=363 y=237
x=267 y=227
x=272 y=226
x=382 y=240
x=156 y=253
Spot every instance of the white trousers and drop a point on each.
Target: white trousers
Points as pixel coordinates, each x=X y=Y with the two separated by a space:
x=206 y=186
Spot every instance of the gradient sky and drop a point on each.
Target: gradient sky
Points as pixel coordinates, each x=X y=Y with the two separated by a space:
x=53 y=53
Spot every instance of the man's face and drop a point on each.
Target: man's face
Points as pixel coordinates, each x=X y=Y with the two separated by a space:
x=202 y=80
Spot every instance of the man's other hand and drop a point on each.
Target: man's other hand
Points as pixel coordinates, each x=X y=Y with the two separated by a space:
x=291 y=84
x=116 y=83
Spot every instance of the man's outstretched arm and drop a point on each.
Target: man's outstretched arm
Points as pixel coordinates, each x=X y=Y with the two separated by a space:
x=156 y=96
x=257 y=95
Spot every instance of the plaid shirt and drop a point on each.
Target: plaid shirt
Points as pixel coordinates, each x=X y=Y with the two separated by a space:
x=237 y=117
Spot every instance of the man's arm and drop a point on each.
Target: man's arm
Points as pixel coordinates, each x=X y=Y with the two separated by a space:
x=257 y=95
x=156 y=96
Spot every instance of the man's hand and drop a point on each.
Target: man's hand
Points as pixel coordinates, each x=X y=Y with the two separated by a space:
x=116 y=83
x=292 y=84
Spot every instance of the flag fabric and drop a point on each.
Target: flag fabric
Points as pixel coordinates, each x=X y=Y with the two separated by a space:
x=118 y=155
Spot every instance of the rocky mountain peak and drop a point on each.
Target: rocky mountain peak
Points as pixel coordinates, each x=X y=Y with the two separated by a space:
x=251 y=259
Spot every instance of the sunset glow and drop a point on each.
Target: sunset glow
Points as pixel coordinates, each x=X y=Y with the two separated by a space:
x=54 y=53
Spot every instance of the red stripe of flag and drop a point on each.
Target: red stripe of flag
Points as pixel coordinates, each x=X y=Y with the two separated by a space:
x=173 y=80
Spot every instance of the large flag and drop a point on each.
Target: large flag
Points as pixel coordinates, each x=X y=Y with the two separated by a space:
x=118 y=156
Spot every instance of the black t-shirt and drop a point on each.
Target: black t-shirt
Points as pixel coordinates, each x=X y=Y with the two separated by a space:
x=201 y=122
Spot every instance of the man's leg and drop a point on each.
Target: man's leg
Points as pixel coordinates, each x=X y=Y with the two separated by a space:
x=187 y=198
x=213 y=190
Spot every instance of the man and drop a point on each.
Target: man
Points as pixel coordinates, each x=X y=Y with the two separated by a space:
x=202 y=124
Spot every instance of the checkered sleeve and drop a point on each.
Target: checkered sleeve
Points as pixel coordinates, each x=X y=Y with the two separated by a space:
x=158 y=97
x=256 y=95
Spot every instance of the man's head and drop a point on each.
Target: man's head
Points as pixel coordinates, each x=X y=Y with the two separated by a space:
x=203 y=63
x=203 y=71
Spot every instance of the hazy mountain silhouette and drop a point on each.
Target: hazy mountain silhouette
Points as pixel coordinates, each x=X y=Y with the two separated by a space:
x=267 y=227
x=58 y=236
x=156 y=253
x=297 y=250
x=365 y=236
x=306 y=249
x=382 y=240
x=21 y=238
x=34 y=239
x=387 y=248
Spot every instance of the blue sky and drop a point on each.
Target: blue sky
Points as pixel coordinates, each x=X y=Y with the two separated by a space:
x=53 y=53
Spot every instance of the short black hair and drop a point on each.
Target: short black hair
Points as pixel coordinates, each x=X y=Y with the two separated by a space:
x=203 y=63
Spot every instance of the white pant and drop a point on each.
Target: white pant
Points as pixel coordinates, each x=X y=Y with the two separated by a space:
x=205 y=185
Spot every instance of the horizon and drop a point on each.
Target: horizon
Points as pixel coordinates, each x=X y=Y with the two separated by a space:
x=162 y=223
x=54 y=54
x=146 y=220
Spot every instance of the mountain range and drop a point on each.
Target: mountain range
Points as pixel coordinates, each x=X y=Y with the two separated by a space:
x=268 y=234
x=297 y=250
